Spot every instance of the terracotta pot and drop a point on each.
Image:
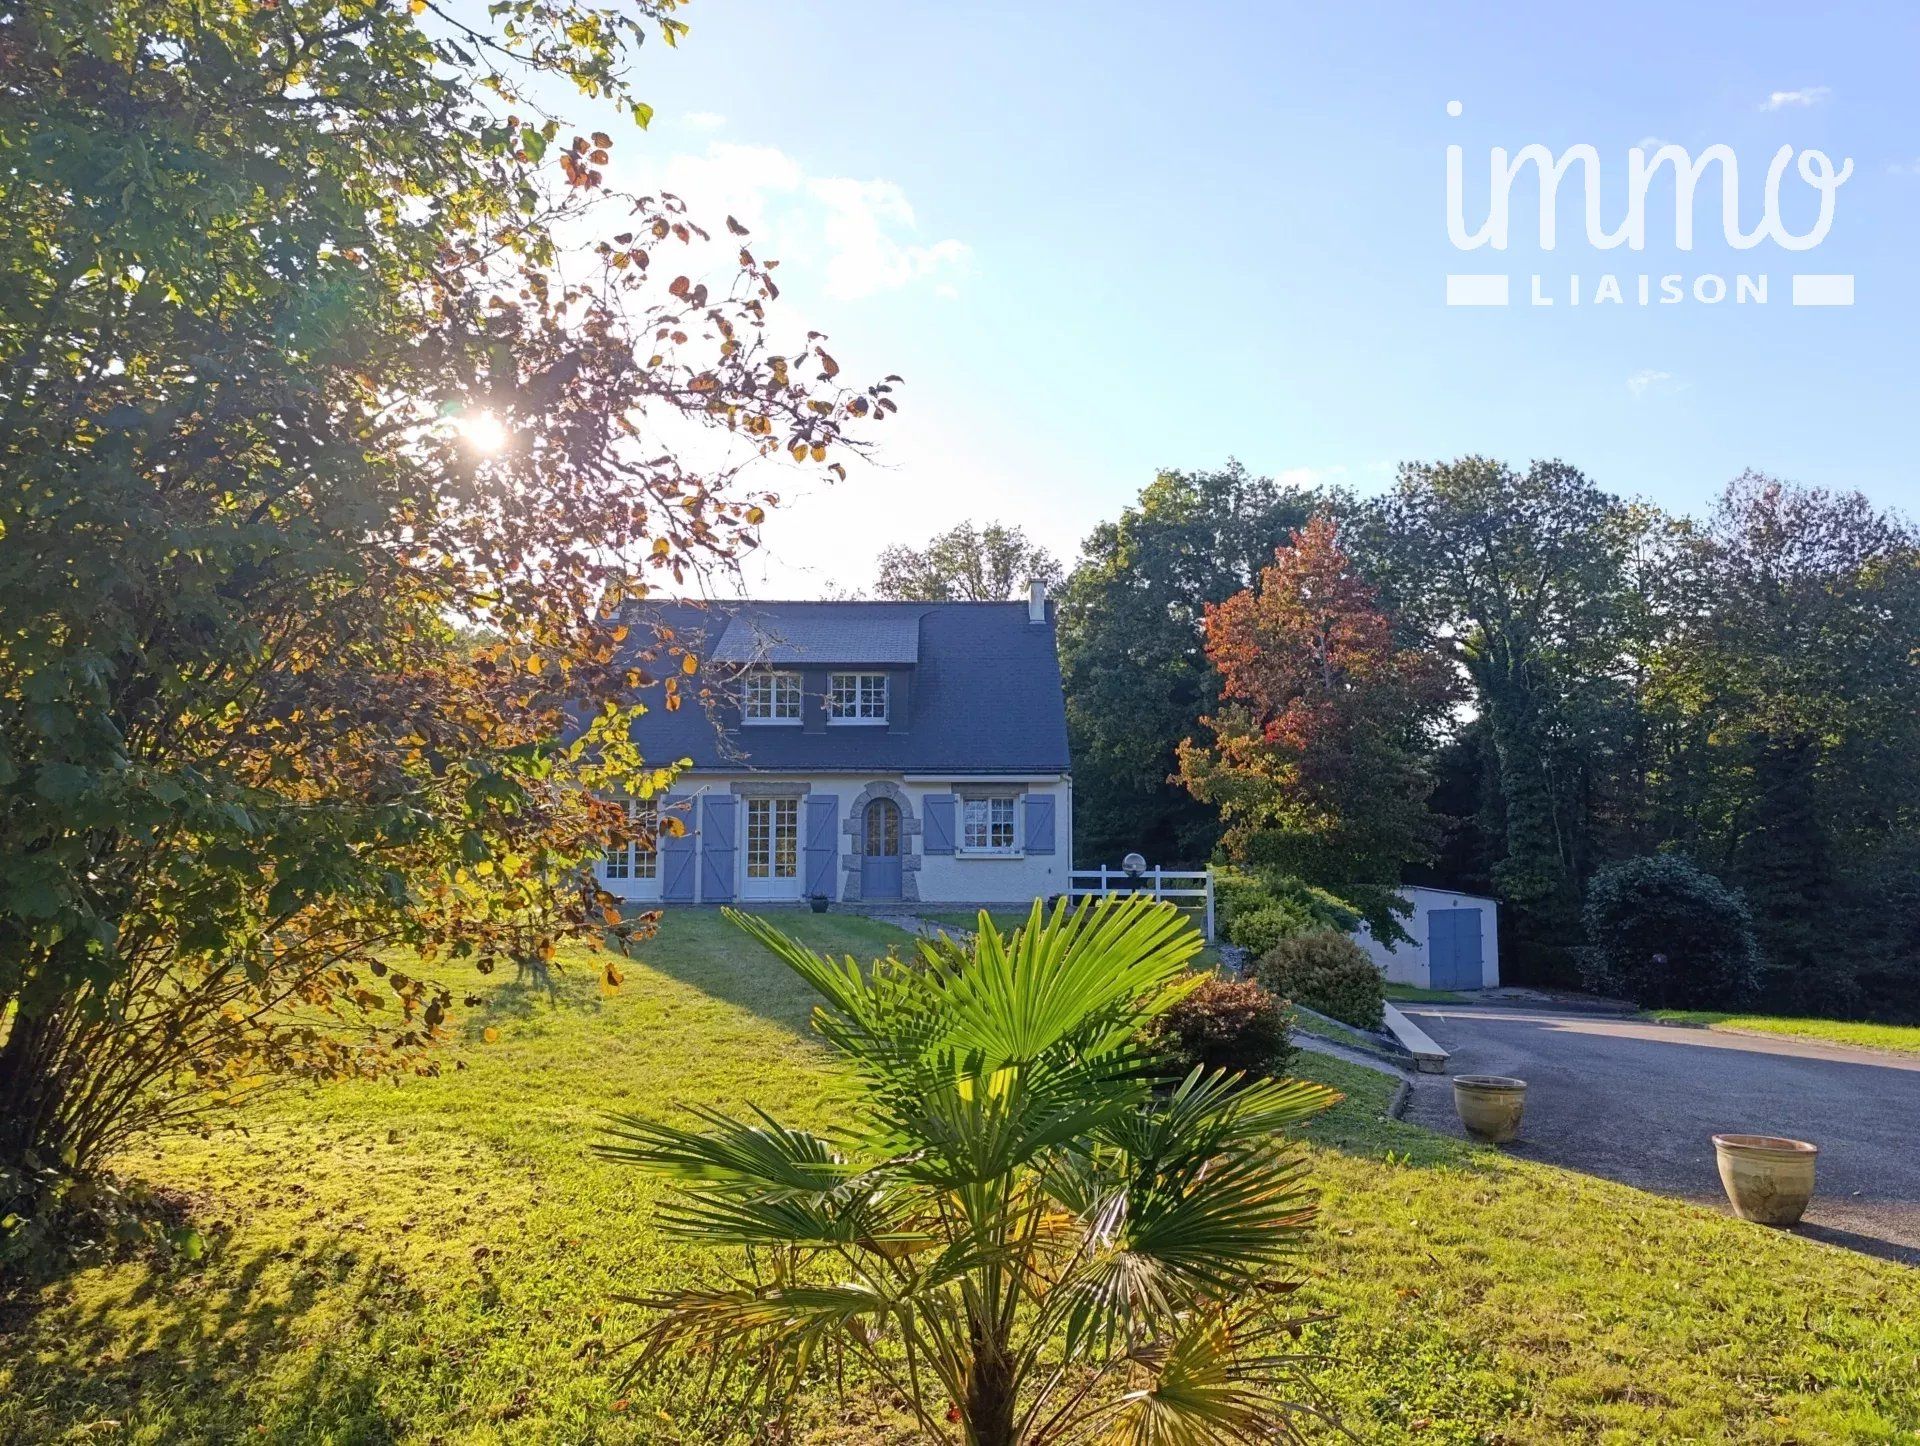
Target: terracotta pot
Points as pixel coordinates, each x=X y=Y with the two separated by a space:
x=1490 y=1105
x=1768 y=1179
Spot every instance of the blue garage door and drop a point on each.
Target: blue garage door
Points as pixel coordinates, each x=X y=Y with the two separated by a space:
x=1453 y=948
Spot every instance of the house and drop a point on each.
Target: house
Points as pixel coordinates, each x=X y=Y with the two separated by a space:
x=870 y=752
x=1455 y=945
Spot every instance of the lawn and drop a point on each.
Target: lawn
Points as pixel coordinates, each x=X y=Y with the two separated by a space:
x=438 y=1261
x=1006 y=920
x=1414 y=994
x=969 y=919
x=1325 y=1027
x=1904 y=1038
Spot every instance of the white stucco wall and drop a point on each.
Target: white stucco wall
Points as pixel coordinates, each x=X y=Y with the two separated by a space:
x=940 y=879
x=1408 y=963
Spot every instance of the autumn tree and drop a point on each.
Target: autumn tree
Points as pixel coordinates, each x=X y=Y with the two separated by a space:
x=1319 y=748
x=967 y=563
x=1133 y=651
x=340 y=408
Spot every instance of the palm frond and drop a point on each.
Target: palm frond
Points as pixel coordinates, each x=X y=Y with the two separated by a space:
x=1203 y=1388
x=766 y=1156
x=1212 y=1113
x=1094 y=974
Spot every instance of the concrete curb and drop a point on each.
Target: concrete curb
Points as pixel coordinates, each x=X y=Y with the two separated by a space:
x=1398 y=1109
x=1430 y=1057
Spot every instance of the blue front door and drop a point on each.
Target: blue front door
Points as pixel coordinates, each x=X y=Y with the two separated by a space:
x=1453 y=948
x=880 y=850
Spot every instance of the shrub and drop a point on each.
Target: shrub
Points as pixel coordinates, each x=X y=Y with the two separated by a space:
x=1230 y=1024
x=1668 y=935
x=1259 y=930
x=1237 y=892
x=1240 y=892
x=1326 y=971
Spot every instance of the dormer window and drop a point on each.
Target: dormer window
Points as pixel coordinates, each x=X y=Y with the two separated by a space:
x=770 y=698
x=857 y=698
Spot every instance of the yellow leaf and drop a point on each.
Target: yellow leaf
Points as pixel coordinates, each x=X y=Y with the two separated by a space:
x=490 y=1034
x=756 y=515
x=536 y=663
x=689 y=664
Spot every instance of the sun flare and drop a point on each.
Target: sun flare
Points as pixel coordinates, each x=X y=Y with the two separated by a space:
x=483 y=431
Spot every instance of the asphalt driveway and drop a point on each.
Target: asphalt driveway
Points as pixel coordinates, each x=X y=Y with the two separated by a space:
x=1639 y=1102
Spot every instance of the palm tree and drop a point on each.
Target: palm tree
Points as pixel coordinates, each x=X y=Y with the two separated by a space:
x=1022 y=1229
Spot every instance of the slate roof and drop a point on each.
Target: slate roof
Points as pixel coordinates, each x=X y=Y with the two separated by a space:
x=983 y=689
x=821 y=633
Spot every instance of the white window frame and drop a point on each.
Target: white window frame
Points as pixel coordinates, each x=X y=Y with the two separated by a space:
x=639 y=857
x=770 y=822
x=852 y=699
x=989 y=805
x=770 y=698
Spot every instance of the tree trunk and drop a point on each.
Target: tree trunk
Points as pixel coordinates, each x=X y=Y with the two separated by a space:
x=990 y=1394
x=29 y=1091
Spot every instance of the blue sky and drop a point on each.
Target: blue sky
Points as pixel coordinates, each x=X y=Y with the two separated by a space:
x=1102 y=239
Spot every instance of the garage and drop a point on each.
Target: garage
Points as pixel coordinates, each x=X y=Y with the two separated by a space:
x=1455 y=941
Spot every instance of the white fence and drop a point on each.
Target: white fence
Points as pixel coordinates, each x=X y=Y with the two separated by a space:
x=1190 y=888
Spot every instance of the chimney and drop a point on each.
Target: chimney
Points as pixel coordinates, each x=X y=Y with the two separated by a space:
x=1036 y=601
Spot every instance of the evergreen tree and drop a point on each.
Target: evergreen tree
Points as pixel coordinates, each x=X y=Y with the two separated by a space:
x=1132 y=651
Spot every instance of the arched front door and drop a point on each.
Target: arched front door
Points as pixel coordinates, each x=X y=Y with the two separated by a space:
x=880 y=851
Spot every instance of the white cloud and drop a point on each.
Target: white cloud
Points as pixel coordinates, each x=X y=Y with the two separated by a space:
x=865 y=256
x=857 y=236
x=1801 y=99
x=1904 y=168
x=704 y=120
x=1646 y=379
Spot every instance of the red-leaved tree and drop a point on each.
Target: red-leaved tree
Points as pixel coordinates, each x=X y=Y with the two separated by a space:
x=1318 y=755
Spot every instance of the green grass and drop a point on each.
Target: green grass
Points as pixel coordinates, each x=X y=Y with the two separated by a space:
x=439 y=1260
x=1904 y=1038
x=1326 y=1028
x=1004 y=920
x=1414 y=994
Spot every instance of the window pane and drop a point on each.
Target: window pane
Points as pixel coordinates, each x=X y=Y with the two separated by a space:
x=759 y=837
x=646 y=848
x=986 y=824
x=765 y=696
x=858 y=696
x=786 y=838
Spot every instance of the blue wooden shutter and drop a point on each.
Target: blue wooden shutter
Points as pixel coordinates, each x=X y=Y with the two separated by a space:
x=1039 y=823
x=823 y=844
x=716 y=849
x=938 y=838
x=676 y=851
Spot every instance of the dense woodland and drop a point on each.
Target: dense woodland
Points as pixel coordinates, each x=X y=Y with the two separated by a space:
x=1739 y=688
